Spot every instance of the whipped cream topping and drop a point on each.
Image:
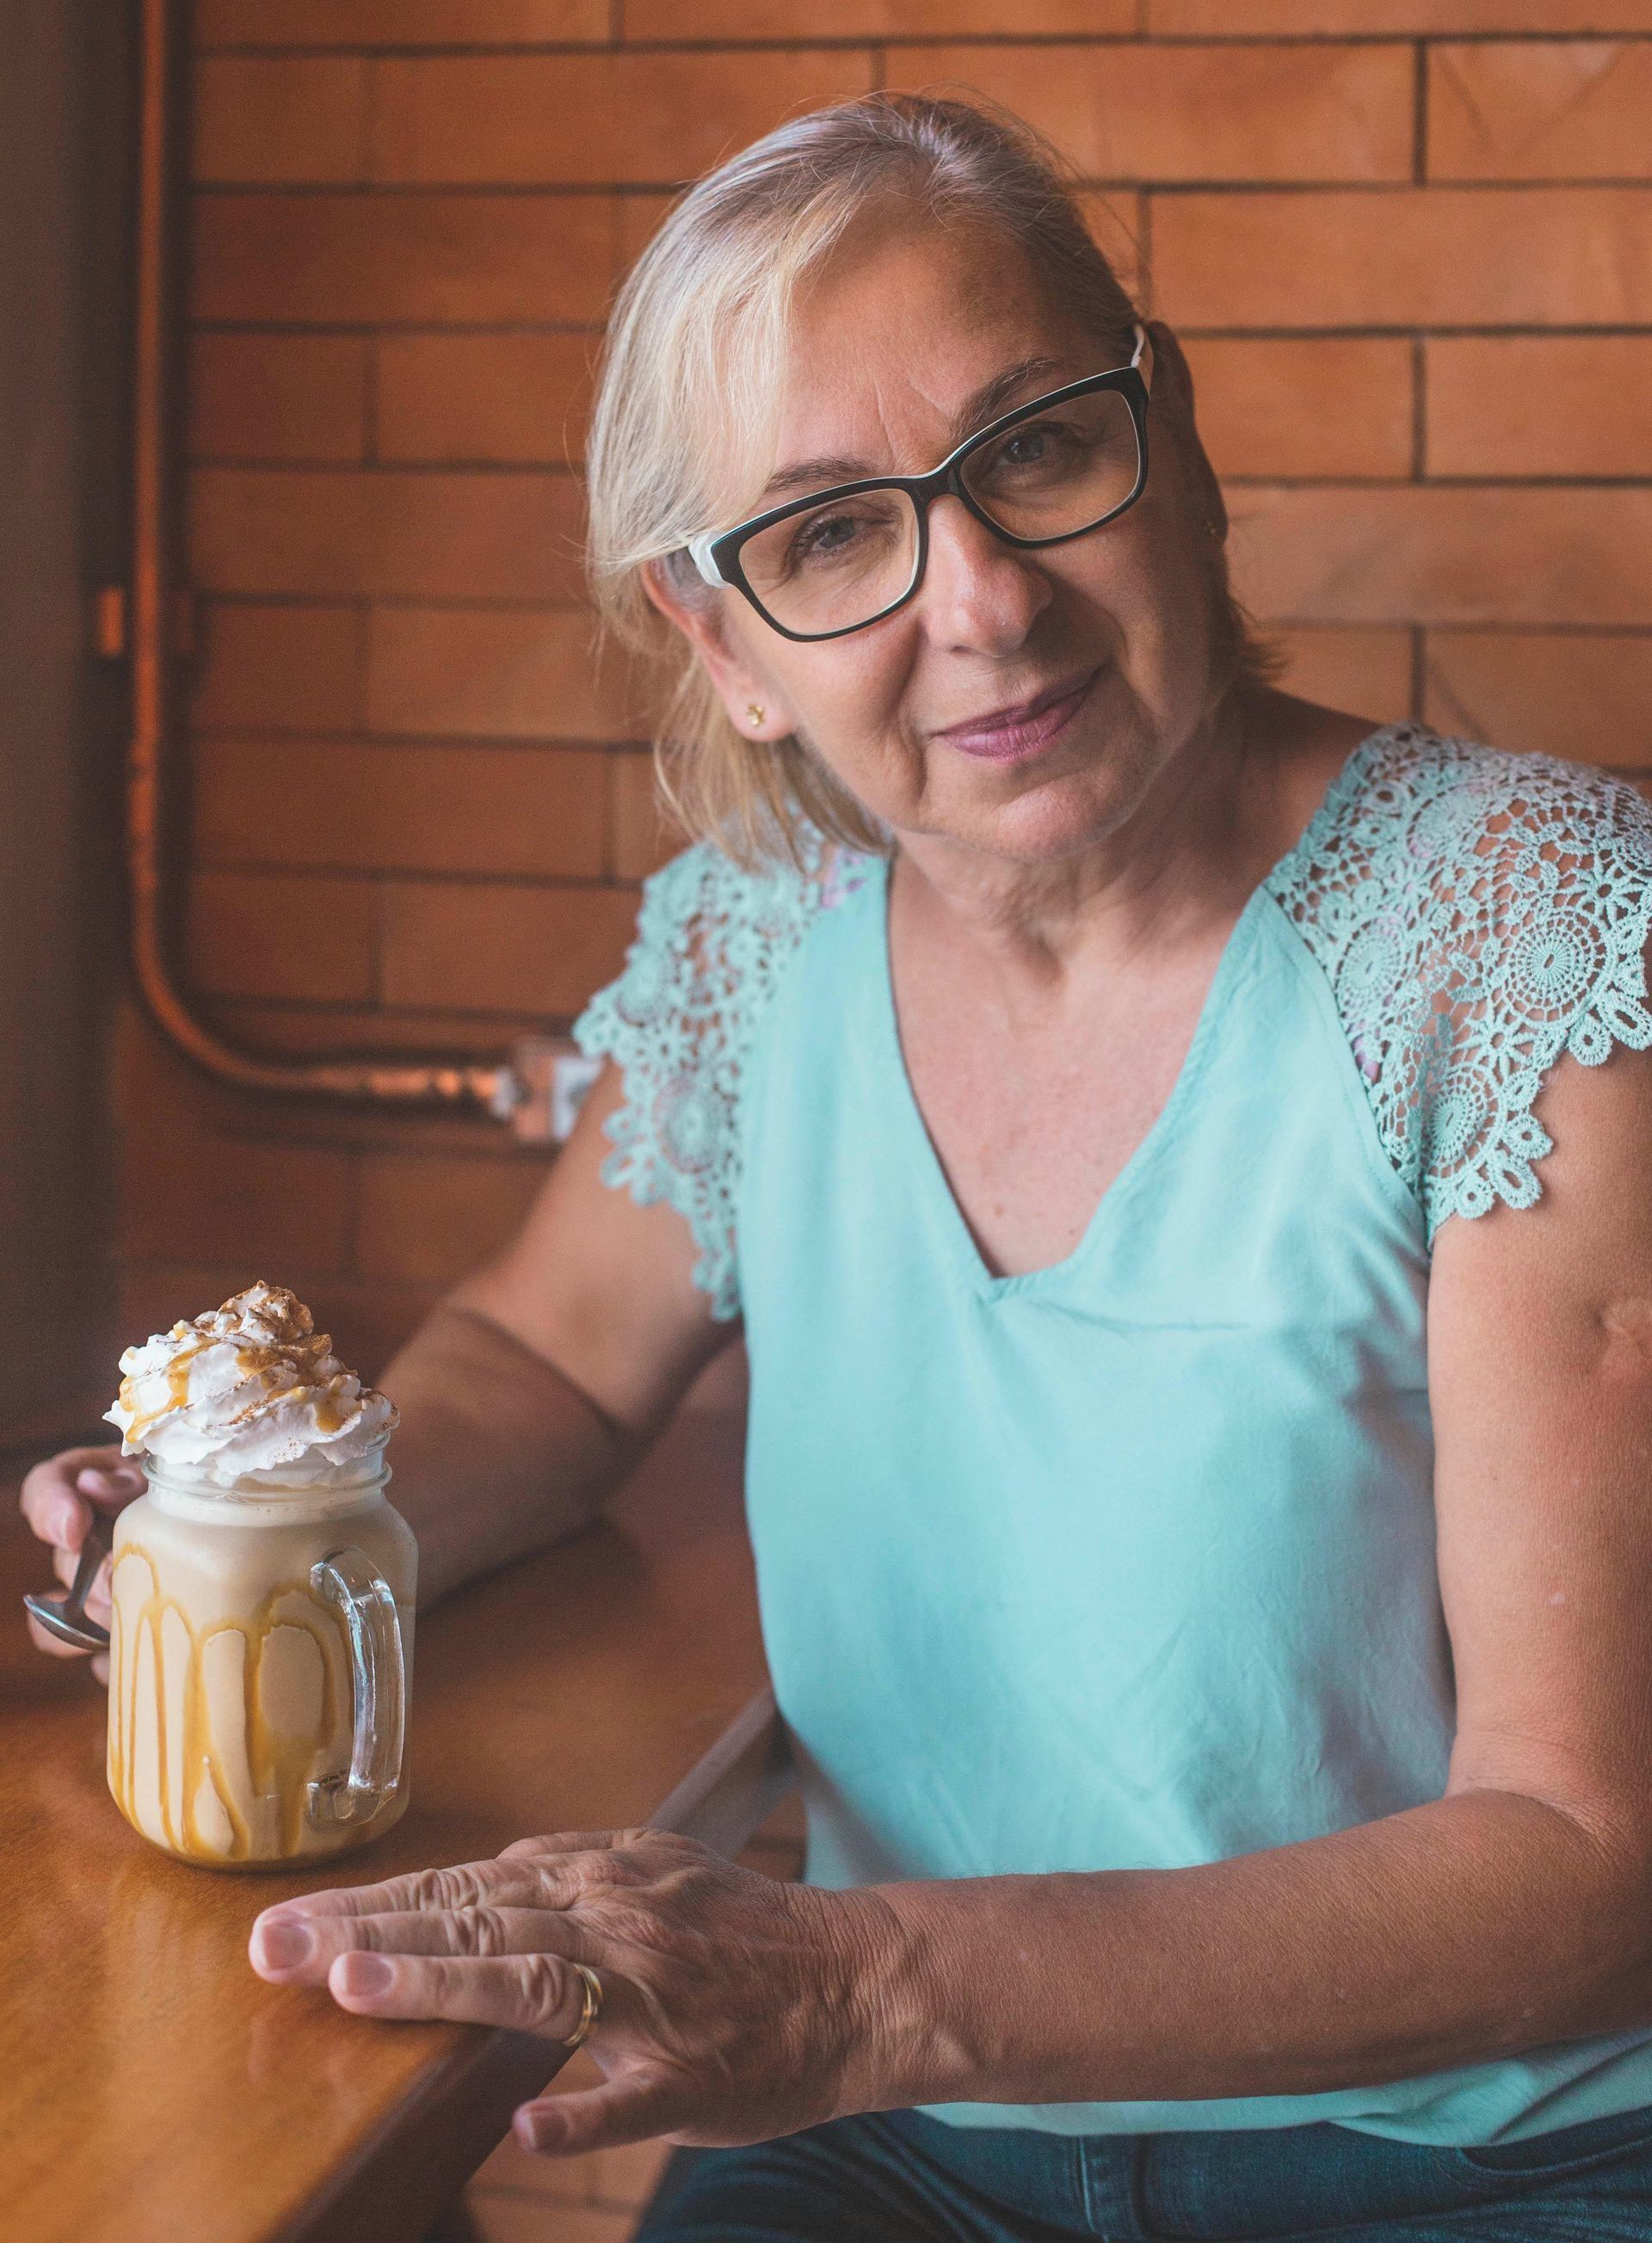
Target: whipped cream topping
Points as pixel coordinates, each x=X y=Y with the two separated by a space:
x=250 y=1392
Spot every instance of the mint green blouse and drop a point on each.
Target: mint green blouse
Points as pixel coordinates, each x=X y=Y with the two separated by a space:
x=1128 y=1562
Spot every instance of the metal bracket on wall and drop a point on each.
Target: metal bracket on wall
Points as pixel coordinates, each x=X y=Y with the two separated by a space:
x=554 y=1078
x=537 y=1087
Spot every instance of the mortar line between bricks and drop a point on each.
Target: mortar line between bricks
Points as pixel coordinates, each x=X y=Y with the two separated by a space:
x=378 y=469
x=341 y=1008
x=1500 y=482
x=368 y=463
x=400 y=743
x=1387 y=332
x=436 y=604
x=1419 y=114
x=386 y=875
x=448 y=602
x=372 y=377
x=380 y=949
x=553 y=49
x=416 y=471
x=604 y=191
x=1307 y=620
x=1419 y=409
x=369 y=145
x=1519 y=631
x=610 y=813
x=362 y=605
x=1144 y=250
x=1342 y=330
x=397 y=330
x=458 y=743
x=309 y=190
x=1433 y=189
x=396 y=1008
x=508 y=1151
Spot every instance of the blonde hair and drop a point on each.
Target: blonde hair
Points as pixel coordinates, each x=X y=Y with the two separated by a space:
x=697 y=338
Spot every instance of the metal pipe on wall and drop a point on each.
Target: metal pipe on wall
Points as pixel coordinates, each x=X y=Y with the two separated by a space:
x=535 y=1086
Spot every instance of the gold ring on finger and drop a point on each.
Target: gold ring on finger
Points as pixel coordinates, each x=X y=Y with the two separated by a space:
x=591 y=2010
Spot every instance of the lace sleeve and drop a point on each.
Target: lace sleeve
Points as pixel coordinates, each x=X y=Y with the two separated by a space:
x=1478 y=913
x=711 y=942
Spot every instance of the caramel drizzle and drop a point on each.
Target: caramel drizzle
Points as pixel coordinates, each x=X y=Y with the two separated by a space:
x=177 y=1394
x=281 y=1767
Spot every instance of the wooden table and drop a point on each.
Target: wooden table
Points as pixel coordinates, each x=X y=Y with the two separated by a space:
x=153 y=2090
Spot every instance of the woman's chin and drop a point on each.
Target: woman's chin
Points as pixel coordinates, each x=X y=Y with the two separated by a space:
x=1044 y=820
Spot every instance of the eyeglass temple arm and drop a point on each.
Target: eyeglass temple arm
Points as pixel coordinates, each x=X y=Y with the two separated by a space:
x=699 y=549
x=699 y=552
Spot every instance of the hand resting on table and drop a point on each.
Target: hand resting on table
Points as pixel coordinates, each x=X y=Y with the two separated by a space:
x=734 y=2007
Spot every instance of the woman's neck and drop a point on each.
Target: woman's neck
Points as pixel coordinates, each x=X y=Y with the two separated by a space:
x=1175 y=868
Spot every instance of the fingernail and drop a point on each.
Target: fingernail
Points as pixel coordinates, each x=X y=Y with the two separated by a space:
x=119 y=1479
x=282 y=1944
x=363 y=1974
x=64 y=1520
x=534 y=2129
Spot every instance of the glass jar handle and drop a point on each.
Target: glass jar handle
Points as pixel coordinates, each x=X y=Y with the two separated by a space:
x=349 y=1578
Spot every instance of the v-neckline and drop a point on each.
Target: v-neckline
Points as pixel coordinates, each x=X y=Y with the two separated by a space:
x=927 y=1159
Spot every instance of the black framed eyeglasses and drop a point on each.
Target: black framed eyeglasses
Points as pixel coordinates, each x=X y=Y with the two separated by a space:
x=840 y=559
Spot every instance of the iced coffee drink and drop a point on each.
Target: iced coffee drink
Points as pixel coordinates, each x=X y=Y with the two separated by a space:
x=262 y=1592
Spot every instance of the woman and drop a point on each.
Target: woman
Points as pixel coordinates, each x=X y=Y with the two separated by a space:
x=1199 y=1409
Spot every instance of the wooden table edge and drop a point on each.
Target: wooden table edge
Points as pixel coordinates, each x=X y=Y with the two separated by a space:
x=403 y=2178
x=415 y=2163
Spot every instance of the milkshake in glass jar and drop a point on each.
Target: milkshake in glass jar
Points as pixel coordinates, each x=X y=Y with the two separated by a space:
x=261 y=1636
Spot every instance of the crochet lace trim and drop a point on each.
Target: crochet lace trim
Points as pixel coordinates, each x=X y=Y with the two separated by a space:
x=1476 y=912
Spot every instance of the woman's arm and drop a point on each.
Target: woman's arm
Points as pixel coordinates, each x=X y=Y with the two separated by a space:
x=533 y=1387
x=525 y=1395
x=1515 y=1910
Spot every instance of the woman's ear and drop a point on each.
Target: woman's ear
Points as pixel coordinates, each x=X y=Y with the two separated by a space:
x=1172 y=393
x=1171 y=383
x=755 y=707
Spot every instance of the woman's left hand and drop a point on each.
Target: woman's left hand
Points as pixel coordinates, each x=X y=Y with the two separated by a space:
x=734 y=2007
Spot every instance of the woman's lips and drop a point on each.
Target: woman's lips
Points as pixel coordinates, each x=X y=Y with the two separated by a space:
x=1008 y=736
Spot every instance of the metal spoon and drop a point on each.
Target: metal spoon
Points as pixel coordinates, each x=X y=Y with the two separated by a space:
x=64 y=1615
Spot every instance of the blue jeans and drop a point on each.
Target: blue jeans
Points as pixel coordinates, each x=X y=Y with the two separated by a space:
x=901 y=2178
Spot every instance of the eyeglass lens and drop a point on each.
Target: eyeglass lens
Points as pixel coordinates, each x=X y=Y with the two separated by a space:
x=842 y=562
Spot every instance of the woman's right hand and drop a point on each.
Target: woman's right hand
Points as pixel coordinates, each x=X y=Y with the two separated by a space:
x=58 y=1499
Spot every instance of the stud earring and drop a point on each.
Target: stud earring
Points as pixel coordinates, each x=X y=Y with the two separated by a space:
x=755 y=712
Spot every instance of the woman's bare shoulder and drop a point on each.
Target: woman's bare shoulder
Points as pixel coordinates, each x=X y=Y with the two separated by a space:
x=1301 y=749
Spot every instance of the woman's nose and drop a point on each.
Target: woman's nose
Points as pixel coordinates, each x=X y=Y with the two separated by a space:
x=978 y=592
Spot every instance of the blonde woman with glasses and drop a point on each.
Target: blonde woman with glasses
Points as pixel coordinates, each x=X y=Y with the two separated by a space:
x=1177 y=1155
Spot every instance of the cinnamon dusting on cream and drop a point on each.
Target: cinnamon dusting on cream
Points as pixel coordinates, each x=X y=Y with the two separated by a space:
x=250 y=1390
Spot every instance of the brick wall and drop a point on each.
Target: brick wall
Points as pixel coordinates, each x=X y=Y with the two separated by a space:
x=1408 y=243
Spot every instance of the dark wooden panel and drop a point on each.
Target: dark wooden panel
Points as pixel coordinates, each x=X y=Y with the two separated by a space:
x=62 y=95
